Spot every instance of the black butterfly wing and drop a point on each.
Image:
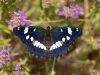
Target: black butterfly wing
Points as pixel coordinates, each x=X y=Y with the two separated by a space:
x=62 y=38
x=32 y=37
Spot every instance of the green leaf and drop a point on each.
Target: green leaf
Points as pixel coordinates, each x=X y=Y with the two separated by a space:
x=4 y=42
x=4 y=29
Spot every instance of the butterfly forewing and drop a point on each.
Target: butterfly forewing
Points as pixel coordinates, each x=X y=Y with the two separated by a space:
x=33 y=38
x=63 y=37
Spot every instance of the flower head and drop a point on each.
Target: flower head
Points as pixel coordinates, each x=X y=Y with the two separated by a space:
x=98 y=42
x=18 y=18
x=4 y=53
x=64 y=11
x=73 y=11
x=1 y=64
x=20 y=14
x=18 y=70
x=4 y=57
x=98 y=0
x=72 y=0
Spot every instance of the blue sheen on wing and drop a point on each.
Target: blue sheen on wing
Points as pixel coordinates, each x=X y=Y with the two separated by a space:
x=58 y=35
x=62 y=32
x=37 y=34
x=65 y=35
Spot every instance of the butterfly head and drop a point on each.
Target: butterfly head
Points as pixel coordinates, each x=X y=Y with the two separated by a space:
x=48 y=28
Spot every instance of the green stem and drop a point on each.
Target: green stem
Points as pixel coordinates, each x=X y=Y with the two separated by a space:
x=46 y=68
x=53 y=66
x=41 y=4
x=49 y=67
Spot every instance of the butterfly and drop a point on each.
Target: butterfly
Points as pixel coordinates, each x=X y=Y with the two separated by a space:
x=47 y=42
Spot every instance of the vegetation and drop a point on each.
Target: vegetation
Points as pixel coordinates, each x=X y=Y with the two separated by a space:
x=84 y=58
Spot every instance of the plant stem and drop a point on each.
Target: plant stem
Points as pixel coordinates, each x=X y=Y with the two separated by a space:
x=53 y=67
x=46 y=68
x=49 y=67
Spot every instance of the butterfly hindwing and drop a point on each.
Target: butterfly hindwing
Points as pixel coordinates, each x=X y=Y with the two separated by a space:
x=63 y=37
x=32 y=37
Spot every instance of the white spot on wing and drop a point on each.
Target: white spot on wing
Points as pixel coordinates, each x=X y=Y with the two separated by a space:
x=45 y=48
x=18 y=28
x=61 y=30
x=53 y=46
x=50 y=48
x=69 y=31
x=57 y=44
x=32 y=38
x=42 y=46
x=63 y=39
x=77 y=29
x=34 y=30
x=27 y=37
x=26 y=30
x=35 y=43
x=38 y=43
x=67 y=37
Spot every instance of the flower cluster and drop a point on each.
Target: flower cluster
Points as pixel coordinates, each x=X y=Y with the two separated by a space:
x=98 y=0
x=18 y=70
x=4 y=57
x=72 y=0
x=73 y=11
x=98 y=42
x=18 y=18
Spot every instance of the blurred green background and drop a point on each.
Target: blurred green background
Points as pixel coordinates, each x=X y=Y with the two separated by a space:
x=84 y=58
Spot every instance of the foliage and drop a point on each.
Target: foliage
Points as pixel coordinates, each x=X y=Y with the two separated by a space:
x=84 y=60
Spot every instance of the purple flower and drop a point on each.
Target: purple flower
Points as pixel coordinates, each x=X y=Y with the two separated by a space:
x=73 y=11
x=20 y=14
x=76 y=11
x=64 y=12
x=72 y=0
x=12 y=23
x=98 y=0
x=25 y=22
x=81 y=11
x=1 y=64
x=98 y=42
x=5 y=55
x=18 y=18
x=18 y=70
x=8 y=60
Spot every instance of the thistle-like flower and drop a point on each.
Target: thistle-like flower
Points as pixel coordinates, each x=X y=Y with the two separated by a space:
x=18 y=70
x=72 y=11
x=18 y=18
x=4 y=57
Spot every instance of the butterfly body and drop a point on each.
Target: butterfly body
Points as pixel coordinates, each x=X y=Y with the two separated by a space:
x=48 y=40
x=51 y=42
